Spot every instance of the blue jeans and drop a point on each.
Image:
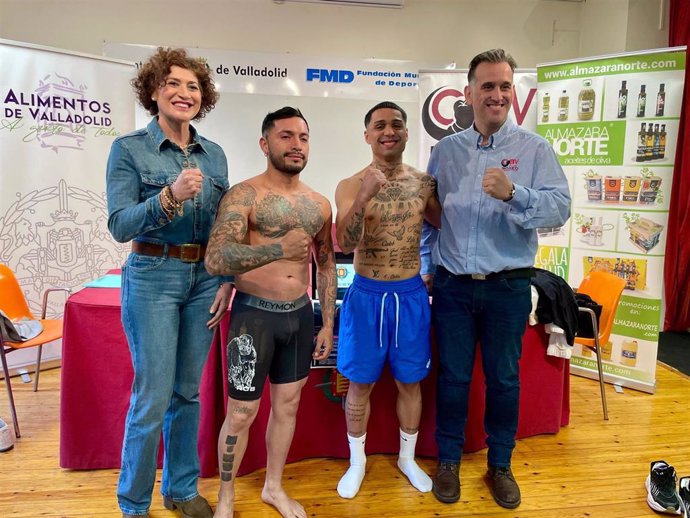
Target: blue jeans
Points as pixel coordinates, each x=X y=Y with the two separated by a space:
x=165 y=307
x=495 y=313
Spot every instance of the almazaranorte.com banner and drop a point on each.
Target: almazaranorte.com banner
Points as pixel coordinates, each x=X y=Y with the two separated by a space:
x=613 y=122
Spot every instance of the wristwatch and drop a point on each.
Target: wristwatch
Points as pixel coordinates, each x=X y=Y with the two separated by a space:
x=511 y=193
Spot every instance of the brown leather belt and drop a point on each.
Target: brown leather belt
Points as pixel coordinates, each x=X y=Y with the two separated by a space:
x=187 y=253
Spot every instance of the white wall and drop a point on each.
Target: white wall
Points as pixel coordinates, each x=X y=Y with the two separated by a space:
x=644 y=19
x=534 y=31
x=603 y=27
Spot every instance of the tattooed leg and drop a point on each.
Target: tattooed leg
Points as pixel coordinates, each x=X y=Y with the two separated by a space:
x=226 y=465
x=279 y=432
x=357 y=416
x=232 y=443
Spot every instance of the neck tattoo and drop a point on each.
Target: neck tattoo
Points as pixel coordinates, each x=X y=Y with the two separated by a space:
x=388 y=169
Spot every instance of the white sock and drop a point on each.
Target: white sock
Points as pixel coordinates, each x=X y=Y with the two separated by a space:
x=352 y=479
x=408 y=466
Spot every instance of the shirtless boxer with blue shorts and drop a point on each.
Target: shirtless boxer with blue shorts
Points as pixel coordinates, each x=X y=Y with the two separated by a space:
x=385 y=316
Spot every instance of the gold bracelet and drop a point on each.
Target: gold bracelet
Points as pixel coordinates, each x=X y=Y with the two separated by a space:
x=178 y=205
x=167 y=209
x=169 y=205
x=172 y=206
x=172 y=194
x=168 y=200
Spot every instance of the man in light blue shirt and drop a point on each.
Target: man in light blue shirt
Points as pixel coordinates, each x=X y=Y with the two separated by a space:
x=497 y=183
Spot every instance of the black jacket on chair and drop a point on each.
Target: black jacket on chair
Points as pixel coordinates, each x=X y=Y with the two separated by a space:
x=557 y=304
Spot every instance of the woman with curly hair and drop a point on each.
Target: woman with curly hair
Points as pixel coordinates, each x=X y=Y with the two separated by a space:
x=164 y=183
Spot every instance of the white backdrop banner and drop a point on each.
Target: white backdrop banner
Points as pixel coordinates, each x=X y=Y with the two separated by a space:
x=444 y=110
x=60 y=114
x=334 y=94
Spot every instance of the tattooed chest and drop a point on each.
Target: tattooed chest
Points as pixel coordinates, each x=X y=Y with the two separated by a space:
x=275 y=215
x=395 y=207
x=397 y=203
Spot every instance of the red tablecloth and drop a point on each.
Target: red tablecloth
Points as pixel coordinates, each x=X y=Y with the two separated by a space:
x=97 y=380
x=97 y=377
x=321 y=430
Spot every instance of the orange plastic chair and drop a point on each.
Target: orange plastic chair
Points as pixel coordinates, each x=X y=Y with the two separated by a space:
x=605 y=289
x=13 y=304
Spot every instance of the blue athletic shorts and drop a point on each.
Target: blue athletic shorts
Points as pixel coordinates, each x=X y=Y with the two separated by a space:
x=385 y=320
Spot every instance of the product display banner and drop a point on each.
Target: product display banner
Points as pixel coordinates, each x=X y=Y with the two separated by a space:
x=333 y=93
x=613 y=123
x=61 y=112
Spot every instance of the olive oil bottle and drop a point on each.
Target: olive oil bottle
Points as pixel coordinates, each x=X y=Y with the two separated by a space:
x=660 y=101
x=656 y=148
x=641 y=102
x=641 y=143
x=649 y=143
x=563 y=103
x=545 y=107
x=623 y=100
x=585 y=101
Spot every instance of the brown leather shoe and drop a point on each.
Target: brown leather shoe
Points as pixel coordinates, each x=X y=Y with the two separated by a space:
x=446 y=482
x=503 y=487
x=197 y=507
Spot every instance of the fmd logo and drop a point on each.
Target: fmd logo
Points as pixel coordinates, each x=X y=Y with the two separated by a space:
x=326 y=75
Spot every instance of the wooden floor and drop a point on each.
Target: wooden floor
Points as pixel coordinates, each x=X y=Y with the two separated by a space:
x=592 y=468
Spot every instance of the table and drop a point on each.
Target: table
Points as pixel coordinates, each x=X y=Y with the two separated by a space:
x=97 y=376
x=96 y=386
x=321 y=430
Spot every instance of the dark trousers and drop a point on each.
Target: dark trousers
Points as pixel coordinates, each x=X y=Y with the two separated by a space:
x=493 y=312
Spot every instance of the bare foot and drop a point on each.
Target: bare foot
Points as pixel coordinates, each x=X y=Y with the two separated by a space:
x=285 y=505
x=225 y=507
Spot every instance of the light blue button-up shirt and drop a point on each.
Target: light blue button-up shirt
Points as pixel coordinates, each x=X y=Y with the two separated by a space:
x=479 y=233
x=140 y=164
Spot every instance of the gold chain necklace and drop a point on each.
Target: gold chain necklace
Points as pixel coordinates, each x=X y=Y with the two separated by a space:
x=187 y=163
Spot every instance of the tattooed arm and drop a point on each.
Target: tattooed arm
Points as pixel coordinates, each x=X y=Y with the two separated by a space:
x=351 y=198
x=349 y=222
x=325 y=285
x=432 y=211
x=226 y=254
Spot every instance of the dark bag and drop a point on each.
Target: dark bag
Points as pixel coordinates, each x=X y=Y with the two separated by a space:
x=20 y=330
x=7 y=329
x=584 y=325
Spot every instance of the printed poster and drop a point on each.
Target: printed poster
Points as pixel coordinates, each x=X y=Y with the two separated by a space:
x=613 y=122
x=60 y=115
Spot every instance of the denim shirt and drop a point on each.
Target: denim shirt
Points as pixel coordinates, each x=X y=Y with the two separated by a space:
x=140 y=164
x=481 y=234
